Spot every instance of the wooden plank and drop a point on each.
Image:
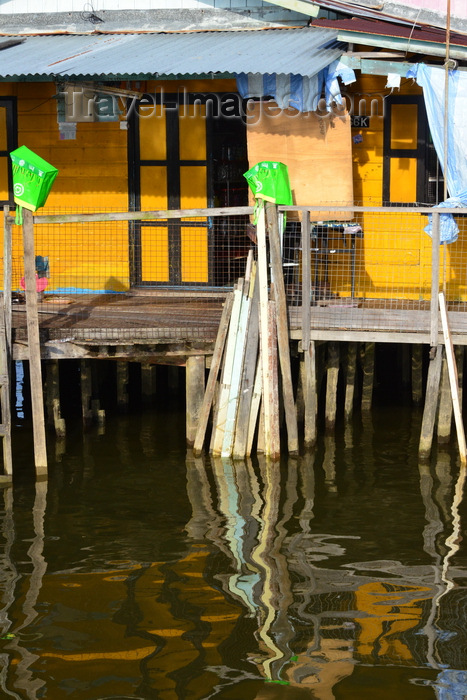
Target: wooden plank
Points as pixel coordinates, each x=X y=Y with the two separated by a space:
x=453 y=379
x=255 y=406
x=272 y=439
x=267 y=378
x=248 y=377
x=431 y=402
x=34 y=347
x=283 y=341
x=141 y=215
x=219 y=428
x=236 y=378
x=213 y=374
x=318 y=152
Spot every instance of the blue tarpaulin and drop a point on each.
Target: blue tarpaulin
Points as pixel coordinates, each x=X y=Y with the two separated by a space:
x=432 y=80
x=297 y=91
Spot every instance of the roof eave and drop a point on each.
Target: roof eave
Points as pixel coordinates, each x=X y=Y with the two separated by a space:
x=426 y=48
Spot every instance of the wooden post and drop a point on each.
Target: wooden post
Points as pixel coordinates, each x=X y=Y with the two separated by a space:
x=459 y=351
x=434 y=315
x=453 y=379
x=310 y=394
x=431 y=402
x=173 y=379
x=368 y=367
x=282 y=328
x=350 y=380
x=5 y=350
x=7 y=272
x=86 y=392
x=195 y=369
x=122 y=385
x=445 y=406
x=148 y=383
x=54 y=419
x=332 y=376
x=417 y=374
x=34 y=347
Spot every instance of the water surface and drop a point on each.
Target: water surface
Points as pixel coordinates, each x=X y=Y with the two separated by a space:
x=139 y=571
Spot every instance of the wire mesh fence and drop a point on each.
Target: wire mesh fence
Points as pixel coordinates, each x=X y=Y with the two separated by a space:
x=130 y=275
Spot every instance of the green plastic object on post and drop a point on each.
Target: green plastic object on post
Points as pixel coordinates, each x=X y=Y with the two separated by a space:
x=269 y=180
x=33 y=178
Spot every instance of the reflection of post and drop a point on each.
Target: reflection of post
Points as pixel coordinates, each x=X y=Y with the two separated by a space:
x=25 y=678
x=276 y=598
x=9 y=576
x=433 y=527
x=329 y=462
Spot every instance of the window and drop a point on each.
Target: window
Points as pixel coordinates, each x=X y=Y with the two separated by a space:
x=8 y=143
x=411 y=172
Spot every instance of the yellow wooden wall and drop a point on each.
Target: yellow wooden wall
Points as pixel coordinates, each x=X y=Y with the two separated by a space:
x=93 y=177
x=394 y=258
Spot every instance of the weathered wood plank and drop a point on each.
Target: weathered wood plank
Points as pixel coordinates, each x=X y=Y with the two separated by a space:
x=213 y=374
x=219 y=428
x=431 y=402
x=34 y=347
x=141 y=215
x=235 y=383
x=283 y=340
x=453 y=379
x=272 y=432
x=248 y=377
x=267 y=377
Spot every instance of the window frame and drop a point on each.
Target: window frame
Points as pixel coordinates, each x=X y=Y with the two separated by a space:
x=10 y=103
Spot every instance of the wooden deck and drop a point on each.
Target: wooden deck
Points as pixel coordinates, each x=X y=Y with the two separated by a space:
x=168 y=326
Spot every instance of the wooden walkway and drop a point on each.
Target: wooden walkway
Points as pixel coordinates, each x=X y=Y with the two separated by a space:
x=186 y=323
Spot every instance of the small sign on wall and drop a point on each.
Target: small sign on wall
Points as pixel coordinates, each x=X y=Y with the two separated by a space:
x=357 y=122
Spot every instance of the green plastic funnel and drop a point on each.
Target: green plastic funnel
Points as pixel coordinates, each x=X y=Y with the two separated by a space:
x=270 y=180
x=33 y=178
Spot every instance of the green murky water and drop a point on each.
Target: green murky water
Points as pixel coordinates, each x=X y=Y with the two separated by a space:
x=138 y=571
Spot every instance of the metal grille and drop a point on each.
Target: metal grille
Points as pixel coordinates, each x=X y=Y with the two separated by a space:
x=145 y=275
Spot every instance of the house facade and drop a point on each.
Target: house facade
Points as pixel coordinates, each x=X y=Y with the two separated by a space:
x=149 y=108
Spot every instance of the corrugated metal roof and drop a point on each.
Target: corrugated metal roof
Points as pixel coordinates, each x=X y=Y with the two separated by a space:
x=302 y=51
